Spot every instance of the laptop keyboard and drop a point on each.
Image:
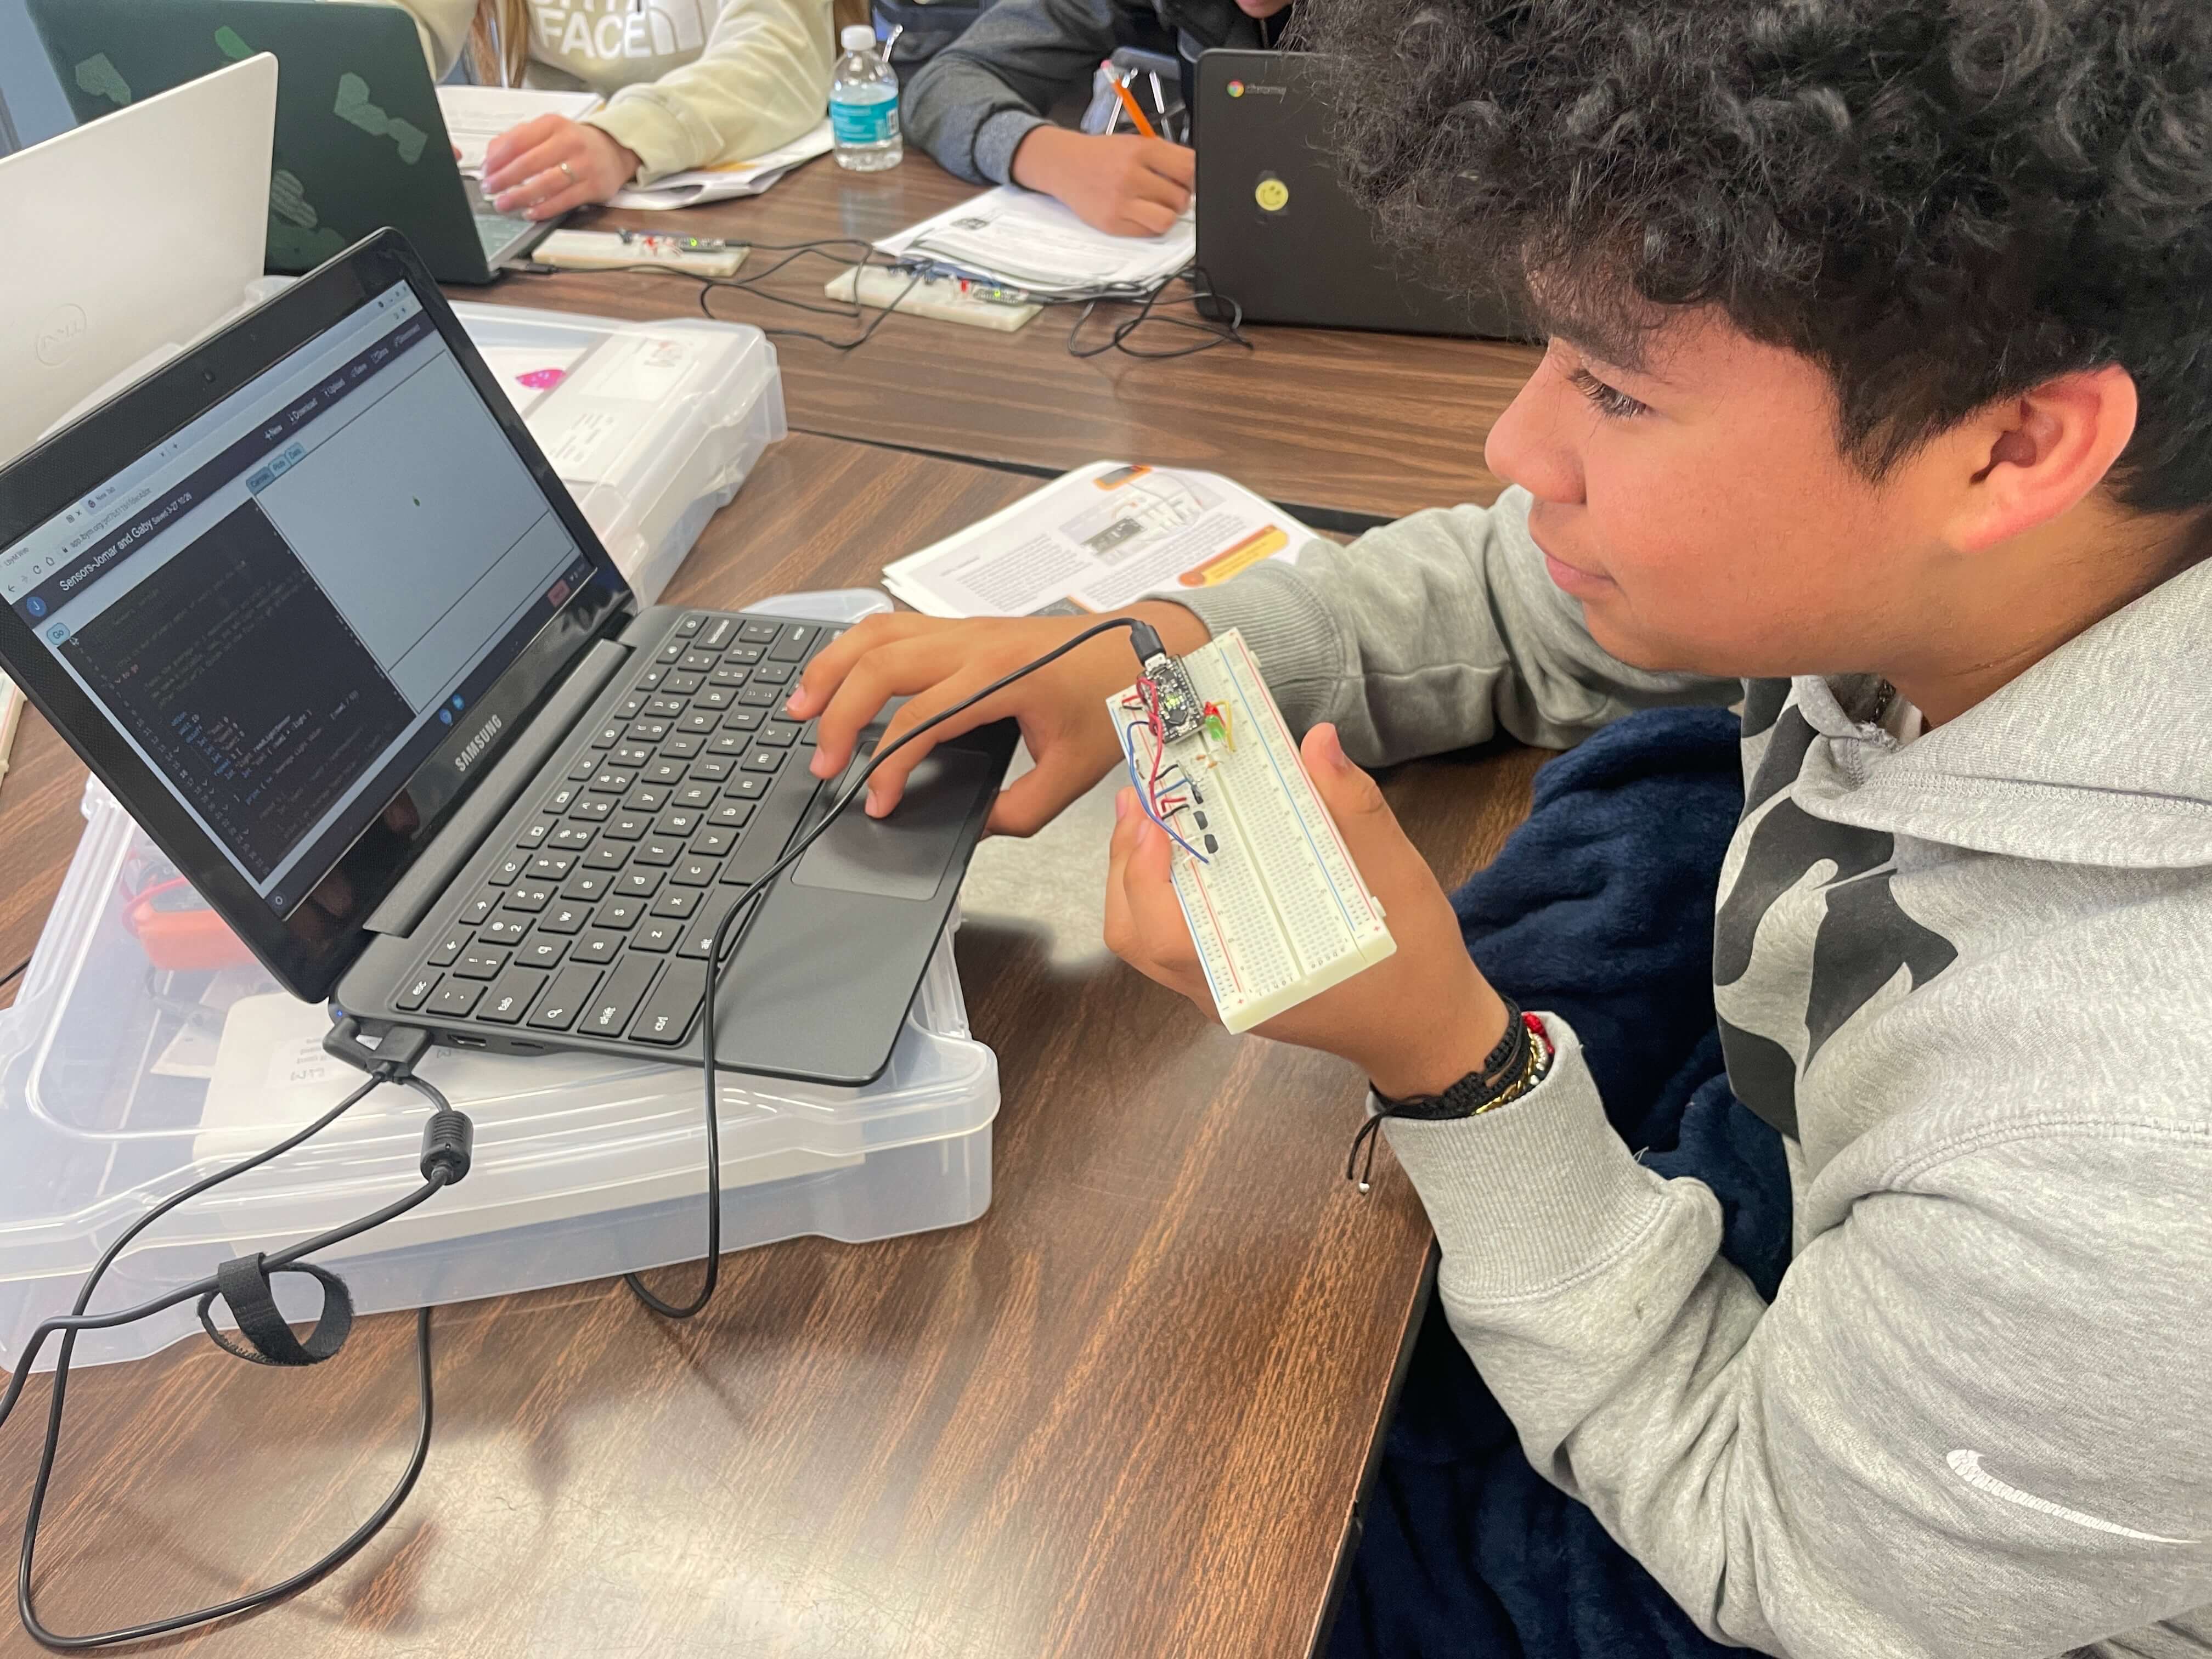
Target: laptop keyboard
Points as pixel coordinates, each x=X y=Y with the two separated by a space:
x=497 y=232
x=600 y=914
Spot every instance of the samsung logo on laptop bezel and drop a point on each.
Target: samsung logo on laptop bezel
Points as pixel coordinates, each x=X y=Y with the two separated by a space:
x=475 y=745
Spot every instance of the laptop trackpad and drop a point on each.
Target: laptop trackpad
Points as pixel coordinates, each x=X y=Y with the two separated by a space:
x=905 y=855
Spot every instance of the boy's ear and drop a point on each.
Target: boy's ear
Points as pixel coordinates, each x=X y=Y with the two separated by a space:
x=2024 y=461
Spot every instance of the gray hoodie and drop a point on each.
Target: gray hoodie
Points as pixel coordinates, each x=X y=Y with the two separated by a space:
x=1968 y=979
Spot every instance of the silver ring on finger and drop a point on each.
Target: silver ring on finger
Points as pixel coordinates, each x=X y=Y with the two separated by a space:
x=567 y=173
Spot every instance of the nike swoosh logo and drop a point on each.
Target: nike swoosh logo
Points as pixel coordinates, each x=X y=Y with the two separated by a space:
x=1967 y=1466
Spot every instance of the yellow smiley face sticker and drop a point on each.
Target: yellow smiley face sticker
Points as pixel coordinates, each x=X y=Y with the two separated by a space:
x=1271 y=193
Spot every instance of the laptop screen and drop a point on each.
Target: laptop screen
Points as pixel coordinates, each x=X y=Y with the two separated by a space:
x=286 y=606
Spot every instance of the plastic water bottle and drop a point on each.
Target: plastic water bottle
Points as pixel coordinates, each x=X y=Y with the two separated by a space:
x=864 y=104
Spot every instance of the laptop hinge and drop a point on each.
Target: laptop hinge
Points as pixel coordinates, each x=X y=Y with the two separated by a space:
x=426 y=881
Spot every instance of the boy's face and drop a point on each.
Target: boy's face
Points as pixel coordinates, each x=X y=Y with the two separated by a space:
x=1701 y=512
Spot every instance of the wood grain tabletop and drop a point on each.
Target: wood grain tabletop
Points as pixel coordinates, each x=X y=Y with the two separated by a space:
x=1352 y=427
x=40 y=822
x=1124 y=1415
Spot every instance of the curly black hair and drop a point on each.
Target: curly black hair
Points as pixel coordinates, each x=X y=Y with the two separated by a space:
x=1942 y=202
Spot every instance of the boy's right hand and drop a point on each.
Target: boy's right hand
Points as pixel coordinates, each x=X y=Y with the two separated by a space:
x=935 y=663
x=1117 y=182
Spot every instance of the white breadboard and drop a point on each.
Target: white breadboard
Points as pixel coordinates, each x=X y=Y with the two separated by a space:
x=601 y=250
x=1275 y=907
x=946 y=299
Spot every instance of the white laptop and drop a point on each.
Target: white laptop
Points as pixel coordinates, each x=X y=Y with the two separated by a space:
x=128 y=239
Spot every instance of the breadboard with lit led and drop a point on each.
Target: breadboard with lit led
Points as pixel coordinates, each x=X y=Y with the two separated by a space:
x=945 y=298
x=1275 y=906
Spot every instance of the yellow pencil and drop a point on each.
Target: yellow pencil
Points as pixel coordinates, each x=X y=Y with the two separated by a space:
x=1130 y=104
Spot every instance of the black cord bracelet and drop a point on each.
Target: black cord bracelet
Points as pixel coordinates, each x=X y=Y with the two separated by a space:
x=1500 y=1069
x=1508 y=1071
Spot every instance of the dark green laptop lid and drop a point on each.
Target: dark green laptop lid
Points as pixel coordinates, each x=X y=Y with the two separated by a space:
x=360 y=141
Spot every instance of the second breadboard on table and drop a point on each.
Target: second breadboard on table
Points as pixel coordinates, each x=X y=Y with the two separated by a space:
x=626 y=250
x=946 y=299
x=1275 y=906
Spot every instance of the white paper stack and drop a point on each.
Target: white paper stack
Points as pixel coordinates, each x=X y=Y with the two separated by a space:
x=726 y=179
x=477 y=115
x=1021 y=239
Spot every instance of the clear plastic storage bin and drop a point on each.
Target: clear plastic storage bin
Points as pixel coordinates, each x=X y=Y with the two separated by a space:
x=652 y=425
x=121 y=1082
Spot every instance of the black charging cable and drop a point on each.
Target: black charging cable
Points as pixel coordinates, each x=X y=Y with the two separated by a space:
x=1152 y=299
x=1144 y=638
x=243 y=1282
x=750 y=283
x=446 y=1150
x=1213 y=331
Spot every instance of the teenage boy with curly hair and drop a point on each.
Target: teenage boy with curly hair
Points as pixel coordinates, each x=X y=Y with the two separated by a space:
x=1878 y=394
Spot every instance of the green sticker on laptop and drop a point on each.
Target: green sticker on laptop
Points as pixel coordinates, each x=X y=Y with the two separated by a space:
x=359 y=143
x=99 y=77
x=353 y=105
x=296 y=231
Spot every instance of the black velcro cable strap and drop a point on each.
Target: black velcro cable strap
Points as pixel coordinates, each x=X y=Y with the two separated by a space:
x=243 y=1282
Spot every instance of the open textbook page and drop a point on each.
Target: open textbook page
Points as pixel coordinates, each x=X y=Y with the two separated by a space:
x=1030 y=241
x=1096 y=539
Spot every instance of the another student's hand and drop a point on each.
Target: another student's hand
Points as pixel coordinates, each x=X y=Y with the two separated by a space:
x=524 y=167
x=1117 y=182
x=1416 y=1022
x=936 y=663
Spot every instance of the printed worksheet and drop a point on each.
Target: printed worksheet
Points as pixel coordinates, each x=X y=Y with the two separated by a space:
x=1096 y=539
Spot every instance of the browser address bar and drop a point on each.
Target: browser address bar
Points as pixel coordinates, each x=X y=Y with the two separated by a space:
x=107 y=518
x=26 y=559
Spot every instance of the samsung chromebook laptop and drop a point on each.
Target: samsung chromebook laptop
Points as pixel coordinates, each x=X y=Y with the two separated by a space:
x=359 y=142
x=76 y=311
x=315 y=608
x=1277 y=231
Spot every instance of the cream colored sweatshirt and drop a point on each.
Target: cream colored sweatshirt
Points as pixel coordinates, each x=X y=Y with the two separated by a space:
x=687 y=82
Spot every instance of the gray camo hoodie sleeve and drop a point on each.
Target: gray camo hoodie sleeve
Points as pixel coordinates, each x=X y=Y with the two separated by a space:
x=1433 y=633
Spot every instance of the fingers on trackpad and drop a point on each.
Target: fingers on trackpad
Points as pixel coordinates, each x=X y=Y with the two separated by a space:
x=905 y=855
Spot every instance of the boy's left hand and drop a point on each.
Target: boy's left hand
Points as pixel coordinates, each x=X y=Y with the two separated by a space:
x=522 y=169
x=1416 y=1022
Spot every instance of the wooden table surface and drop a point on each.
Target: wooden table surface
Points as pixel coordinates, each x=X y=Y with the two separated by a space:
x=1124 y=1415
x=40 y=822
x=1347 y=427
